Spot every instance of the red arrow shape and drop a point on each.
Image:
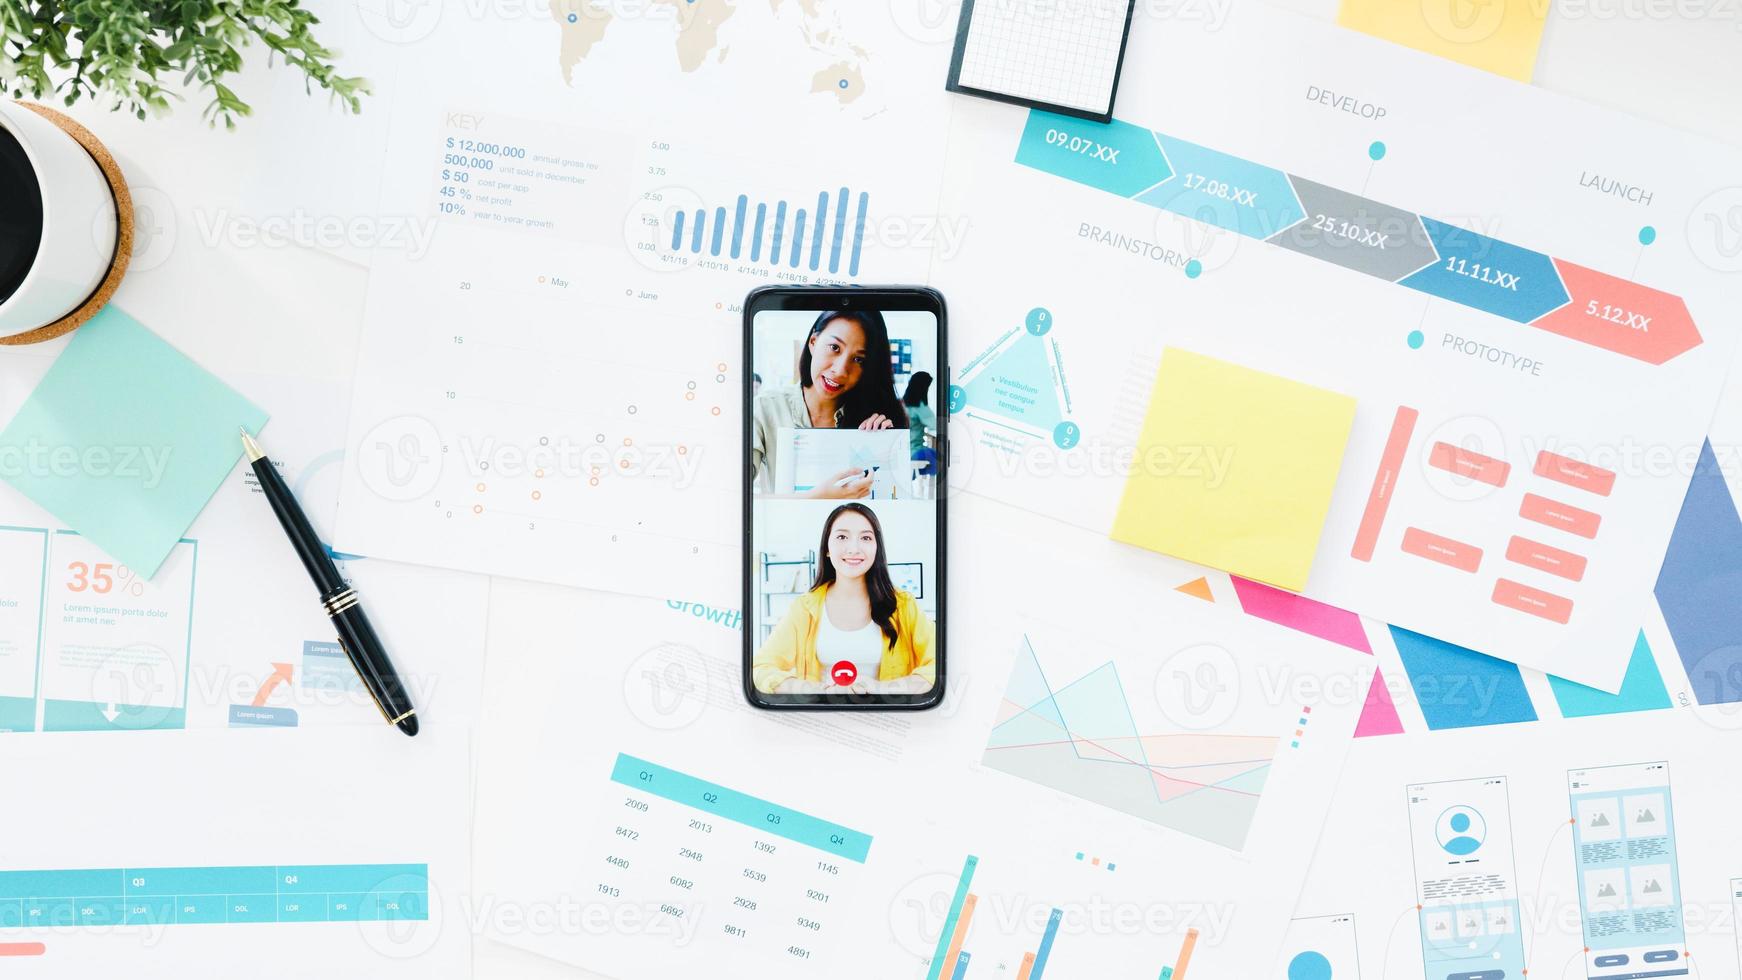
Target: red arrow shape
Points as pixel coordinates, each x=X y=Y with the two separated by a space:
x=280 y=675
x=1622 y=316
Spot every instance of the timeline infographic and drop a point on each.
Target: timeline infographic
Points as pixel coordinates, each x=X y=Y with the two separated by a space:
x=1532 y=365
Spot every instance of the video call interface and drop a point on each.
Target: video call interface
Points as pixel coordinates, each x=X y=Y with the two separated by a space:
x=844 y=463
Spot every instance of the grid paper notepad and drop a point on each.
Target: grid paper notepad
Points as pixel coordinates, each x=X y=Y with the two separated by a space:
x=1054 y=55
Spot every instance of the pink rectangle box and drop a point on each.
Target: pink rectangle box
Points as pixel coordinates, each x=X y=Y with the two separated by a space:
x=1555 y=514
x=1553 y=466
x=1463 y=462
x=1545 y=558
x=1433 y=547
x=1534 y=601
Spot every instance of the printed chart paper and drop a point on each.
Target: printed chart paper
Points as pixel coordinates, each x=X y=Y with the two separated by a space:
x=1605 y=851
x=260 y=853
x=229 y=632
x=1192 y=748
x=551 y=389
x=1532 y=358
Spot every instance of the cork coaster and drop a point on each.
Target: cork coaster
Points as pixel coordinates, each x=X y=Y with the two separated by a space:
x=123 y=232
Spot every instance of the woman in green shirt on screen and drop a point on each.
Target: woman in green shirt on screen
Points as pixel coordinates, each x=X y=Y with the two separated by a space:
x=846 y=381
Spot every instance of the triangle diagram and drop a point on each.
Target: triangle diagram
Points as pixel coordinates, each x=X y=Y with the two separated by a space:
x=1017 y=384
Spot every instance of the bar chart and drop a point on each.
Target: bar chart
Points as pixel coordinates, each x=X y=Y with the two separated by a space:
x=957 y=943
x=824 y=235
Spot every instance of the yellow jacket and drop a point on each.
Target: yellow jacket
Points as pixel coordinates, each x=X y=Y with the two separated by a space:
x=791 y=650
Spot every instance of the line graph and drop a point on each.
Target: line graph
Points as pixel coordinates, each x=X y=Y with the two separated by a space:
x=1082 y=739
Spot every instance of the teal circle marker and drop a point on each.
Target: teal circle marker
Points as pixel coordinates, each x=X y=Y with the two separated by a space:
x=843 y=83
x=1310 y=965
x=1194 y=269
x=574 y=17
x=1039 y=321
x=1066 y=434
x=1416 y=339
x=1647 y=235
x=958 y=398
x=1376 y=150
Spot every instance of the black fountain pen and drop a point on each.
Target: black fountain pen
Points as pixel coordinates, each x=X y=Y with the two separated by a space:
x=339 y=600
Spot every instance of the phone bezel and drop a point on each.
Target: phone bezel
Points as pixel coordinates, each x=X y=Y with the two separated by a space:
x=818 y=299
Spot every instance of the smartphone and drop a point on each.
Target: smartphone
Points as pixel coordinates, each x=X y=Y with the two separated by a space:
x=845 y=446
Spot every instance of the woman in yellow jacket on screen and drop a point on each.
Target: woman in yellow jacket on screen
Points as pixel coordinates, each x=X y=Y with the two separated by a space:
x=852 y=613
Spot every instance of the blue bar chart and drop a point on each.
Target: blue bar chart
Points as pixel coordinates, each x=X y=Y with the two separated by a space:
x=827 y=235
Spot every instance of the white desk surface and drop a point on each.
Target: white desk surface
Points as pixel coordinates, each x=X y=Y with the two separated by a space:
x=240 y=305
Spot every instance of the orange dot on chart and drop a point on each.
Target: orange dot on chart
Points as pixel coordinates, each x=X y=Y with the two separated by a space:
x=718 y=306
x=628 y=441
x=689 y=396
x=477 y=508
x=593 y=481
x=682 y=449
x=720 y=366
x=540 y=278
x=538 y=473
x=480 y=488
x=536 y=495
x=716 y=409
x=623 y=464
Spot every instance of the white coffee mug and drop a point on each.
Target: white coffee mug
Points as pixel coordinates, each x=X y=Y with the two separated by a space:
x=78 y=224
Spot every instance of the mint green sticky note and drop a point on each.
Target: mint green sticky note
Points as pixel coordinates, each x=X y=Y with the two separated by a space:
x=125 y=439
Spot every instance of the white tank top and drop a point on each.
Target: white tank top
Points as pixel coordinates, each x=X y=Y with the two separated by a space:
x=863 y=646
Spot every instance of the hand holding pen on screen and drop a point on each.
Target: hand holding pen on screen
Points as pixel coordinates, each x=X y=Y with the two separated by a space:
x=851 y=483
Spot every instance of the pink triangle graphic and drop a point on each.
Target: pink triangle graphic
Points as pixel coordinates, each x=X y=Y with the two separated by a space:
x=1297 y=612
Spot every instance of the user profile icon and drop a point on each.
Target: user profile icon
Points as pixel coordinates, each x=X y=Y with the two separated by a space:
x=1461 y=830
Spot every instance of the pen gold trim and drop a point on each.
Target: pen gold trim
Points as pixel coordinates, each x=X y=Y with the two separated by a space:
x=339 y=600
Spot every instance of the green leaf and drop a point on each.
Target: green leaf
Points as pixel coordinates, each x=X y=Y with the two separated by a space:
x=119 y=51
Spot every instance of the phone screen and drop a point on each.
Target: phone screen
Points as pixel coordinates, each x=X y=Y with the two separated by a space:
x=844 y=463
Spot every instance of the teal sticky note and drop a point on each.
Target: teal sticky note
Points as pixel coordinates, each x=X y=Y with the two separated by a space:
x=125 y=439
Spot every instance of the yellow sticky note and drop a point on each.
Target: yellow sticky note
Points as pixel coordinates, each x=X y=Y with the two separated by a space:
x=1501 y=36
x=1234 y=468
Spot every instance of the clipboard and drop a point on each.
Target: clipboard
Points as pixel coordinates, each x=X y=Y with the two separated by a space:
x=1063 y=58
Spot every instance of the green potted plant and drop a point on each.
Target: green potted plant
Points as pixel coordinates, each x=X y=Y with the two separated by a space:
x=134 y=53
